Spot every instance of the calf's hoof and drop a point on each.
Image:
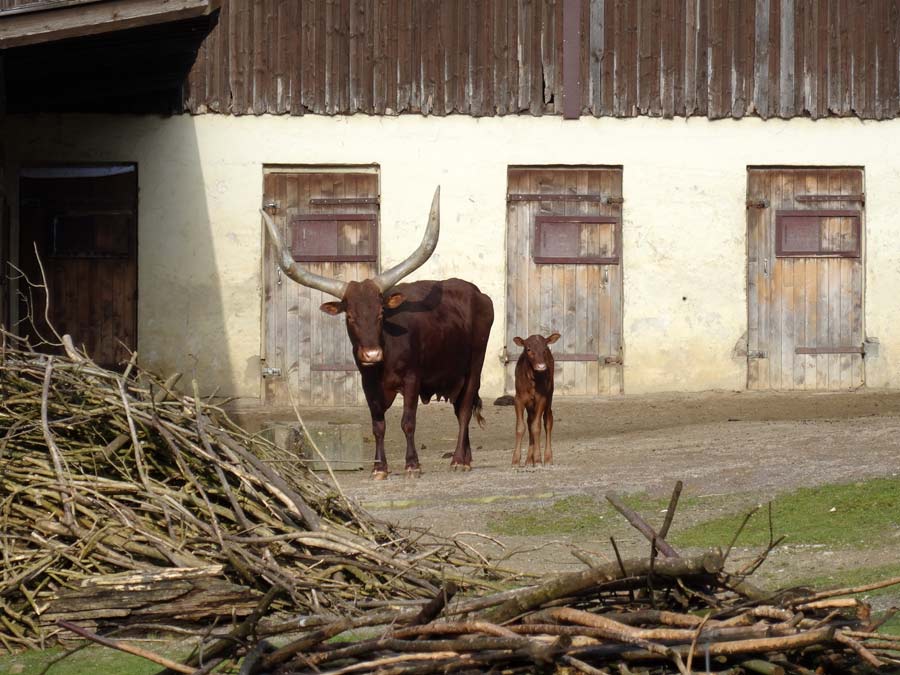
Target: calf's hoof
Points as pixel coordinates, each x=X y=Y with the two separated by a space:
x=413 y=472
x=380 y=474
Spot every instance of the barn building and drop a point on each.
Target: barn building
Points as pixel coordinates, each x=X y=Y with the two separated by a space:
x=697 y=194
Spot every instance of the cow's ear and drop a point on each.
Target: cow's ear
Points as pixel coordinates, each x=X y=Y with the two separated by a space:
x=394 y=300
x=333 y=308
x=552 y=338
x=519 y=341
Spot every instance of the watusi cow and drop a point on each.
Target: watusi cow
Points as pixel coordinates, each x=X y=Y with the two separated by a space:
x=422 y=339
x=534 y=393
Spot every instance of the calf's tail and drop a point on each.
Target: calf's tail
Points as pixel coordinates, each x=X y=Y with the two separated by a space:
x=478 y=416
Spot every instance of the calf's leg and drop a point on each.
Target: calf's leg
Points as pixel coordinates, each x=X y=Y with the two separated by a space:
x=548 y=430
x=520 y=432
x=534 y=430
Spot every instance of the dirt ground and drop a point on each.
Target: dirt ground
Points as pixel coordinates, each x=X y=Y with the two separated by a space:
x=745 y=446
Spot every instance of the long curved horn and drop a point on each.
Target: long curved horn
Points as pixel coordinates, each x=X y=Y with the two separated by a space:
x=294 y=271
x=389 y=278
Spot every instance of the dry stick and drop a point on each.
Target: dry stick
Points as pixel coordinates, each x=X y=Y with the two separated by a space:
x=201 y=433
x=857 y=646
x=436 y=604
x=762 y=667
x=378 y=664
x=227 y=645
x=733 y=648
x=612 y=541
x=276 y=483
x=875 y=624
x=619 y=632
x=65 y=492
x=846 y=591
x=739 y=530
x=641 y=526
x=699 y=629
x=136 y=443
x=565 y=585
x=454 y=628
x=128 y=649
x=583 y=667
x=670 y=511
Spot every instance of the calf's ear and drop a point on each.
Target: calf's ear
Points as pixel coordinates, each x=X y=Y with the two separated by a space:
x=519 y=341
x=333 y=308
x=552 y=338
x=394 y=300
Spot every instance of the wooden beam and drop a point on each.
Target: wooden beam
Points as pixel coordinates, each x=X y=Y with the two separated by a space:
x=58 y=21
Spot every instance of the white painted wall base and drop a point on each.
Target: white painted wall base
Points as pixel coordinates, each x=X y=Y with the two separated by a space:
x=684 y=247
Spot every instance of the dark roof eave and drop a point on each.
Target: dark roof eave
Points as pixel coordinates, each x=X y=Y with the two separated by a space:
x=53 y=20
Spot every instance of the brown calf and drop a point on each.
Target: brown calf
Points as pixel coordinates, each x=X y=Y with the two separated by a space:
x=534 y=393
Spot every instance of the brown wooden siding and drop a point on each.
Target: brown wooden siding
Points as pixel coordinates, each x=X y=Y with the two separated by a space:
x=662 y=58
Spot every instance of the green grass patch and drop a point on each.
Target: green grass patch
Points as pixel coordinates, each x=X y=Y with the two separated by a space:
x=569 y=515
x=579 y=514
x=891 y=626
x=88 y=661
x=859 y=576
x=851 y=515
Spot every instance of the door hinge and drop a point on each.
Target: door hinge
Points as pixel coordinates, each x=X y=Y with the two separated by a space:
x=757 y=203
x=271 y=204
x=268 y=371
x=757 y=355
x=613 y=361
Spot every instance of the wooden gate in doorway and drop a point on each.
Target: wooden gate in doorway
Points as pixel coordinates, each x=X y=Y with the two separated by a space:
x=805 y=231
x=564 y=273
x=83 y=221
x=329 y=220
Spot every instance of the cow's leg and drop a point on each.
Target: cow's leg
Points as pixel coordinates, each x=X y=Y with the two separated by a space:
x=408 y=424
x=548 y=430
x=378 y=404
x=520 y=432
x=462 y=456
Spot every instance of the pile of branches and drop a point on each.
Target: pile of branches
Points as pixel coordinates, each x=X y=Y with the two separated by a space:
x=124 y=503
x=671 y=615
x=667 y=613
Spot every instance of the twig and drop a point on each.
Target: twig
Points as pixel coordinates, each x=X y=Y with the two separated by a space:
x=128 y=649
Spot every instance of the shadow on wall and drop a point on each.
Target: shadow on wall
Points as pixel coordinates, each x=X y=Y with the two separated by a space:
x=181 y=319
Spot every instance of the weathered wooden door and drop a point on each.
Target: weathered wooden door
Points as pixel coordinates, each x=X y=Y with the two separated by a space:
x=329 y=219
x=83 y=220
x=564 y=273
x=805 y=287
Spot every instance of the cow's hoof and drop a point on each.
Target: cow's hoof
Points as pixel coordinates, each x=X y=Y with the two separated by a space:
x=413 y=472
x=380 y=475
x=467 y=467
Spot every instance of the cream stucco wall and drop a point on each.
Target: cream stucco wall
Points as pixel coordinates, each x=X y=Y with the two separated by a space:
x=684 y=243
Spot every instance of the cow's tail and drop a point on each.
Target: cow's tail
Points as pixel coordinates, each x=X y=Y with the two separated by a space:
x=478 y=416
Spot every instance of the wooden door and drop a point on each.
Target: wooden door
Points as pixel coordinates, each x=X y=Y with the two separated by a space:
x=83 y=220
x=329 y=219
x=564 y=273
x=805 y=230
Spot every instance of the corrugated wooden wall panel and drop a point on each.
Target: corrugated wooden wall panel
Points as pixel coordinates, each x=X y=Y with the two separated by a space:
x=662 y=58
